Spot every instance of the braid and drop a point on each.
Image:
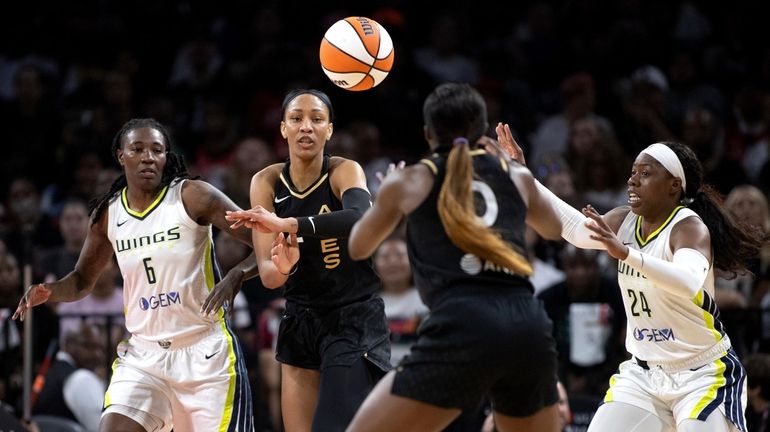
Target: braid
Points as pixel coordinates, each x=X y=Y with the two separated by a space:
x=174 y=170
x=733 y=242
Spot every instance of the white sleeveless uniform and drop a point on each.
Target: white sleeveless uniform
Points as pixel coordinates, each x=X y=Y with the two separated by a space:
x=179 y=365
x=687 y=367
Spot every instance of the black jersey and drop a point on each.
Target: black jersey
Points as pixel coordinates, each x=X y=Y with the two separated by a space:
x=326 y=277
x=436 y=261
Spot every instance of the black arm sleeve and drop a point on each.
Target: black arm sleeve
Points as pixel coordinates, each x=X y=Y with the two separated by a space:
x=337 y=224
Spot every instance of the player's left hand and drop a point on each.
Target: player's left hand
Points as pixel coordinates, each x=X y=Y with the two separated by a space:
x=392 y=167
x=506 y=141
x=604 y=234
x=223 y=295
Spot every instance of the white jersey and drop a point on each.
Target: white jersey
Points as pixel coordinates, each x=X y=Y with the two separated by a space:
x=168 y=266
x=663 y=327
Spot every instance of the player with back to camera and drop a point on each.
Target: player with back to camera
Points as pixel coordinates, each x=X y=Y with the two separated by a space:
x=684 y=375
x=182 y=367
x=333 y=342
x=470 y=266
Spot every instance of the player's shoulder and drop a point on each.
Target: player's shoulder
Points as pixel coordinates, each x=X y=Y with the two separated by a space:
x=269 y=174
x=337 y=162
x=194 y=186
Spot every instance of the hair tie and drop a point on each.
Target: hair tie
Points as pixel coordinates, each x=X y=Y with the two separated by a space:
x=460 y=141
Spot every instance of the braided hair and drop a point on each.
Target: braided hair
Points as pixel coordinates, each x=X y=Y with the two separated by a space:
x=174 y=170
x=734 y=242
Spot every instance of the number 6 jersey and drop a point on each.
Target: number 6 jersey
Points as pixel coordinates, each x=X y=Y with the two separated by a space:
x=663 y=327
x=167 y=263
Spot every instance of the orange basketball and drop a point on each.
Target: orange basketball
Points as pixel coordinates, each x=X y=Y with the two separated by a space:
x=356 y=53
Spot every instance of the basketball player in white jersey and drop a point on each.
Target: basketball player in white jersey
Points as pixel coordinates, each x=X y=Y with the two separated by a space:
x=684 y=375
x=182 y=367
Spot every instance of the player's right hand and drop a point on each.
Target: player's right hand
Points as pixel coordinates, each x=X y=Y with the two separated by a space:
x=35 y=295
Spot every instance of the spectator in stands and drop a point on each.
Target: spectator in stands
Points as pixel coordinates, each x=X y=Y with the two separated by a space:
x=404 y=309
x=55 y=263
x=72 y=389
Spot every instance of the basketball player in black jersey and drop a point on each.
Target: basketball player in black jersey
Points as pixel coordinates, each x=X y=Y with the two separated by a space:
x=333 y=340
x=466 y=211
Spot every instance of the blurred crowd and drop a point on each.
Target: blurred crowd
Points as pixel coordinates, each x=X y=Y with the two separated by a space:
x=584 y=85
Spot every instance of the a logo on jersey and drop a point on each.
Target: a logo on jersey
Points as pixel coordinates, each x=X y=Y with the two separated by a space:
x=171 y=234
x=473 y=265
x=654 y=335
x=278 y=200
x=330 y=248
x=161 y=300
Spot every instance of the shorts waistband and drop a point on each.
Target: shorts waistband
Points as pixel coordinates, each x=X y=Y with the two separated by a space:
x=177 y=342
x=716 y=351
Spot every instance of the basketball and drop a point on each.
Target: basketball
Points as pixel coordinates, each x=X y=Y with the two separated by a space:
x=356 y=53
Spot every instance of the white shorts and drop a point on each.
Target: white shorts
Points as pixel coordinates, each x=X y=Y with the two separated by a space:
x=199 y=383
x=687 y=394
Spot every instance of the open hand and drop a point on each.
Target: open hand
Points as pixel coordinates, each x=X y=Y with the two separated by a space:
x=285 y=252
x=391 y=168
x=35 y=295
x=257 y=218
x=505 y=138
x=222 y=295
x=604 y=234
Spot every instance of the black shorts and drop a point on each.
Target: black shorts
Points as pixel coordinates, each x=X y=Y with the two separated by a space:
x=315 y=339
x=483 y=341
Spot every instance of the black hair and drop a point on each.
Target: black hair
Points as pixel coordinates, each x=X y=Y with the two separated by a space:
x=175 y=168
x=733 y=242
x=317 y=93
x=455 y=110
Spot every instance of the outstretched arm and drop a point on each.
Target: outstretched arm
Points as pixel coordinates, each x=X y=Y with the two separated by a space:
x=573 y=223
x=96 y=252
x=275 y=254
x=348 y=183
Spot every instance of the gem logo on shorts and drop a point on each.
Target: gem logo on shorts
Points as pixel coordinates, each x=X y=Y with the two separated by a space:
x=161 y=300
x=654 y=335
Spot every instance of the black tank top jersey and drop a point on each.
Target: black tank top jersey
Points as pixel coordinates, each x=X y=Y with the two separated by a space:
x=436 y=261
x=326 y=277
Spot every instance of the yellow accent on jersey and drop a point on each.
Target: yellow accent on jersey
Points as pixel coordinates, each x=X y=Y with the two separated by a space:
x=608 y=396
x=208 y=269
x=429 y=163
x=324 y=209
x=149 y=208
x=310 y=190
x=228 y=414
x=708 y=319
x=657 y=231
x=107 y=393
x=712 y=392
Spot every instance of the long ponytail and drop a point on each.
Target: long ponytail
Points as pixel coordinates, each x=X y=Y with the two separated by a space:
x=458 y=215
x=733 y=242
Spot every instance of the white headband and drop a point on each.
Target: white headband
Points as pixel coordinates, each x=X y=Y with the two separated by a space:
x=670 y=161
